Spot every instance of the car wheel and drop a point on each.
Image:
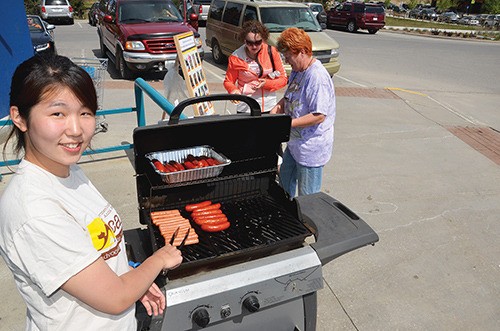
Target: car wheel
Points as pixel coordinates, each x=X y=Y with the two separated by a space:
x=125 y=72
x=351 y=26
x=217 y=55
x=372 y=31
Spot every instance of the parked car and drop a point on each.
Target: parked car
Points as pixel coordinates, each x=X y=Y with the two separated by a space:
x=414 y=13
x=357 y=15
x=201 y=8
x=318 y=12
x=56 y=11
x=468 y=20
x=226 y=18
x=428 y=14
x=93 y=13
x=41 y=33
x=492 y=21
x=138 y=35
x=448 y=17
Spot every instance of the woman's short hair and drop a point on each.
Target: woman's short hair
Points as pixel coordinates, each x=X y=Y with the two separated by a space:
x=42 y=75
x=295 y=40
x=254 y=27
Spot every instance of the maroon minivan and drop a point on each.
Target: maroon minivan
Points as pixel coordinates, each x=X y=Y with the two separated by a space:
x=357 y=15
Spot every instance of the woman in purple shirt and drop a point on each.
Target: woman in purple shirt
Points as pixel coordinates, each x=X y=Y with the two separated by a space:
x=310 y=101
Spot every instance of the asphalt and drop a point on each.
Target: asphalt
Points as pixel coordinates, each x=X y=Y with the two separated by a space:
x=433 y=200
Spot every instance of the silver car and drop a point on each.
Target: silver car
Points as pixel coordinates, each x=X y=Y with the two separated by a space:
x=56 y=10
x=201 y=8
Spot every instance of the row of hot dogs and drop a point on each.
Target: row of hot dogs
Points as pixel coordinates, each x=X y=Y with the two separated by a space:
x=190 y=162
x=206 y=214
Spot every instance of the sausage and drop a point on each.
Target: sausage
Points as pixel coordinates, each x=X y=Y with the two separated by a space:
x=216 y=227
x=176 y=165
x=203 y=163
x=159 y=166
x=189 y=165
x=206 y=212
x=209 y=207
x=212 y=221
x=170 y=167
x=194 y=206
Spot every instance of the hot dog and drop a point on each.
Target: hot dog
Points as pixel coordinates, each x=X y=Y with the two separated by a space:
x=216 y=227
x=194 y=206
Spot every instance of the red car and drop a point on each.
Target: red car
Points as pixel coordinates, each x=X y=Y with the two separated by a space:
x=138 y=35
x=357 y=15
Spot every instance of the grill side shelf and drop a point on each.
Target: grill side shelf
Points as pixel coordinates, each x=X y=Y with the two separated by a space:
x=338 y=229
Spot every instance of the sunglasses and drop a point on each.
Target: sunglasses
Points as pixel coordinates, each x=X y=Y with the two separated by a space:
x=253 y=43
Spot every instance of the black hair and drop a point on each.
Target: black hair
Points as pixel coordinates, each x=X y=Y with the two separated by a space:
x=43 y=74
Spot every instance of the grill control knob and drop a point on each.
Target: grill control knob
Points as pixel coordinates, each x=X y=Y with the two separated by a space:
x=251 y=303
x=201 y=317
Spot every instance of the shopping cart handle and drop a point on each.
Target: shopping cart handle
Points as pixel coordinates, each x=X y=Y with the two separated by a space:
x=251 y=102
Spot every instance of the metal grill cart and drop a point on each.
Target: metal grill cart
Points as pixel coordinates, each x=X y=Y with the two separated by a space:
x=96 y=68
x=260 y=273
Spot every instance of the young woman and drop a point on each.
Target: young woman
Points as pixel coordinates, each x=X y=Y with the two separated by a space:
x=250 y=68
x=60 y=238
x=310 y=101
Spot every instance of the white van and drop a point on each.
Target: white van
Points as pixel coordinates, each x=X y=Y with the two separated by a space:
x=226 y=17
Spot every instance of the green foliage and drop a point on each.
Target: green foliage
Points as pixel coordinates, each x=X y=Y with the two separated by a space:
x=32 y=7
x=491 y=6
x=79 y=8
x=443 y=5
x=413 y=3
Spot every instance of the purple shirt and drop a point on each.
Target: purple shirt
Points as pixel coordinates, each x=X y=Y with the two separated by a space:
x=311 y=91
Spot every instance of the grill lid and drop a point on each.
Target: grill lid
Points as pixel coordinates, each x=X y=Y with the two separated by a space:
x=250 y=141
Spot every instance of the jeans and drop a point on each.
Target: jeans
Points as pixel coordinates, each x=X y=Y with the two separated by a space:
x=292 y=174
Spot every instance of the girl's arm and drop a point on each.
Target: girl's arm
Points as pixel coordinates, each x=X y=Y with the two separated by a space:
x=101 y=288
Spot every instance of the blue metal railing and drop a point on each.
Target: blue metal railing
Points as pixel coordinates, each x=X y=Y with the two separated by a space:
x=141 y=87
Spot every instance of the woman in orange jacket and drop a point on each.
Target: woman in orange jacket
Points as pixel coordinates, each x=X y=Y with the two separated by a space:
x=255 y=69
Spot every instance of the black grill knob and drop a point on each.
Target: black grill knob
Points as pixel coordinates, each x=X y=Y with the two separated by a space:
x=251 y=303
x=201 y=317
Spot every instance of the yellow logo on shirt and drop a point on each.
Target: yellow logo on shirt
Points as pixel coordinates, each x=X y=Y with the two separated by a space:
x=101 y=234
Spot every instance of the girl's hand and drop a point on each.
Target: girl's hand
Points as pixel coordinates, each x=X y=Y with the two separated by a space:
x=154 y=301
x=236 y=101
x=170 y=255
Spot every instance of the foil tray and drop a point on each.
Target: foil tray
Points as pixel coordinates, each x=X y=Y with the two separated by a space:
x=179 y=155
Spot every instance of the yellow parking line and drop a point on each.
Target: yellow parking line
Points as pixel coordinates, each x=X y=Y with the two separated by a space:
x=407 y=91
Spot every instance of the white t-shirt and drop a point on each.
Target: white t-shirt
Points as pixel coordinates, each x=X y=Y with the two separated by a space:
x=51 y=228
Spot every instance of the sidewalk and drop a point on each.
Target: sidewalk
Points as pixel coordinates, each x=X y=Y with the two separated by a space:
x=432 y=198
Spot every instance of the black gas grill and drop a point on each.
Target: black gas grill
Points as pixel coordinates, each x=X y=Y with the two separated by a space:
x=267 y=233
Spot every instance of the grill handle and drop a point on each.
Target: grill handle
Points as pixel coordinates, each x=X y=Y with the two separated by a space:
x=177 y=111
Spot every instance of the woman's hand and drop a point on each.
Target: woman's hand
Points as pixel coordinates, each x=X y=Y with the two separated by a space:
x=236 y=101
x=154 y=301
x=171 y=257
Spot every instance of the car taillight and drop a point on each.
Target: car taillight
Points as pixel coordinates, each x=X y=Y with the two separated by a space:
x=70 y=9
x=201 y=9
x=43 y=9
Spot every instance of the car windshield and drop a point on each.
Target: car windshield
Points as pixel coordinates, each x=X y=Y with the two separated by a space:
x=277 y=19
x=148 y=12
x=35 y=24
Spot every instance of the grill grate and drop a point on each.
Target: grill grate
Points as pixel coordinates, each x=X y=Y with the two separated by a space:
x=259 y=226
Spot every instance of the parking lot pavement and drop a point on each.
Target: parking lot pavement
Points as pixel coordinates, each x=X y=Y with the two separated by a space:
x=431 y=197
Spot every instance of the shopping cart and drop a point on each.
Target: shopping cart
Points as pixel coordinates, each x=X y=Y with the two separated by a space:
x=96 y=68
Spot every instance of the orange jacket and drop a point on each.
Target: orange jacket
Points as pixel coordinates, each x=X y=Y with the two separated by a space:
x=238 y=73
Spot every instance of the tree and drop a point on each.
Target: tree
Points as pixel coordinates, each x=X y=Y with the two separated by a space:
x=491 y=6
x=32 y=7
